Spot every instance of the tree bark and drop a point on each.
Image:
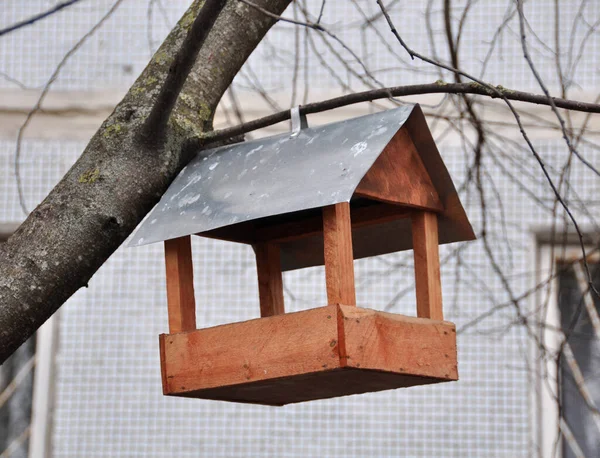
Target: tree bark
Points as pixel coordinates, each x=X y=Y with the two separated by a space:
x=126 y=167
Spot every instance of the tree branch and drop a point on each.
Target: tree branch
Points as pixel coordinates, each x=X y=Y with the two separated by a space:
x=438 y=87
x=538 y=78
x=155 y=125
x=538 y=158
x=318 y=27
x=37 y=17
x=118 y=179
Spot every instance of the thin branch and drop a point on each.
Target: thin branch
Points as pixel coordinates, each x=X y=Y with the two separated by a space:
x=321 y=11
x=24 y=371
x=296 y=67
x=564 y=132
x=17 y=443
x=14 y=81
x=149 y=26
x=508 y=15
x=37 y=17
x=517 y=117
x=306 y=76
x=254 y=83
x=546 y=91
x=439 y=87
x=310 y=25
x=319 y=28
x=235 y=104
x=149 y=15
x=42 y=96
x=538 y=287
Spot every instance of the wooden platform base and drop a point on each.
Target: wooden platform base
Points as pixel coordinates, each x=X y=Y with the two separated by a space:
x=315 y=354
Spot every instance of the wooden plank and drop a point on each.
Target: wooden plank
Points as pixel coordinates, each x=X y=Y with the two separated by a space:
x=427 y=265
x=390 y=342
x=377 y=214
x=399 y=176
x=163 y=366
x=261 y=349
x=323 y=384
x=314 y=354
x=339 y=259
x=252 y=232
x=292 y=230
x=180 y=285
x=270 y=279
x=240 y=232
x=362 y=216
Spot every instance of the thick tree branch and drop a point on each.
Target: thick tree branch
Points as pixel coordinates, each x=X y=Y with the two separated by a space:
x=156 y=123
x=118 y=179
x=438 y=87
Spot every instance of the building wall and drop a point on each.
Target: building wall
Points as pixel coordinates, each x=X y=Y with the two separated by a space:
x=108 y=393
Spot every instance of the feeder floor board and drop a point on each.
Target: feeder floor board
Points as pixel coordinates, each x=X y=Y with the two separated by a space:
x=319 y=353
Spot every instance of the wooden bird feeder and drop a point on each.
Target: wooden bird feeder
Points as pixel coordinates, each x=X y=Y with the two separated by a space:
x=319 y=196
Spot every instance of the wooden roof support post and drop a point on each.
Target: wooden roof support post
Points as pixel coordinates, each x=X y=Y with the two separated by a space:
x=427 y=265
x=339 y=259
x=270 y=279
x=180 y=285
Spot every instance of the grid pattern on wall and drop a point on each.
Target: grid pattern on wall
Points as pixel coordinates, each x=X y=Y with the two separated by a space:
x=120 y=49
x=108 y=391
x=109 y=400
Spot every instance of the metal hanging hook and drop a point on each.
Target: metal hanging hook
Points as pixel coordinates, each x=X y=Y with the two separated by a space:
x=299 y=121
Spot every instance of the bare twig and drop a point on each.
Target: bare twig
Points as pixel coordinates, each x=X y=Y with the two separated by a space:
x=16 y=444
x=546 y=91
x=321 y=11
x=538 y=287
x=517 y=117
x=37 y=17
x=24 y=371
x=439 y=87
x=42 y=96
x=319 y=28
x=14 y=81
x=149 y=15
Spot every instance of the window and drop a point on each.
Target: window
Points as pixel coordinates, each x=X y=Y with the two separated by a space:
x=568 y=356
x=16 y=393
x=26 y=394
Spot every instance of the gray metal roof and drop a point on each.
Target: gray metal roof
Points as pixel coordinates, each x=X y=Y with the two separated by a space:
x=286 y=173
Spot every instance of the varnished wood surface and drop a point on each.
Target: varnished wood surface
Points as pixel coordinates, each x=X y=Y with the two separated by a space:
x=261 y=349
x=180 y=284
x=315 y=354
x=399 y=176
x=339 y=259
x=270 y=279
x=427 y=265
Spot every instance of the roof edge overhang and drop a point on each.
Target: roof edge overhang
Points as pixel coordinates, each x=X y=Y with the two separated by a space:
x=453 y=222
x=453 y=219
x=224 y=186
